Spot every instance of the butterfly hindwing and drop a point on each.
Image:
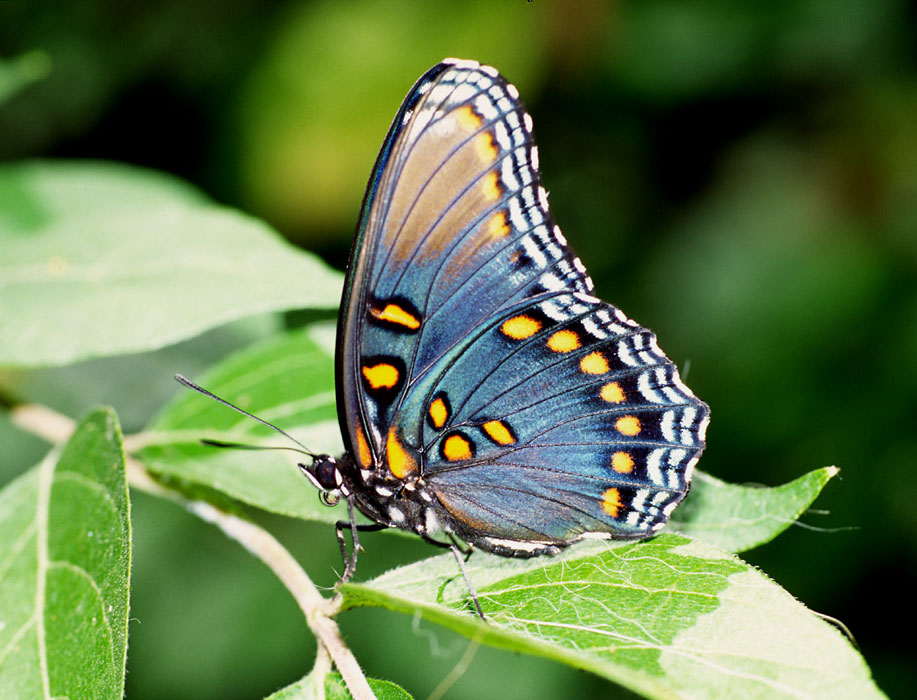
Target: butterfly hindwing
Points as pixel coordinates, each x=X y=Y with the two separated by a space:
x=574 y=426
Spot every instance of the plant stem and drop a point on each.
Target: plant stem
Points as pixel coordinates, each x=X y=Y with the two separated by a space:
x=318 y=610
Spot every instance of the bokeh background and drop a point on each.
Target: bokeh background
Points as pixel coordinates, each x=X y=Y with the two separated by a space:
x=740 y=177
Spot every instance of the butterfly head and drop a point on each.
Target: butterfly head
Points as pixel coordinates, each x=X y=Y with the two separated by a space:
x=325 y=474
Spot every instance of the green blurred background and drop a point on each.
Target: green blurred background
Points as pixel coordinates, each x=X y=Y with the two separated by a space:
x=740 y=177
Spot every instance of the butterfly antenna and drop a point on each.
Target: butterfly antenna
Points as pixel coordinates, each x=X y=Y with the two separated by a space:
x=246 y=446
x=216 y=443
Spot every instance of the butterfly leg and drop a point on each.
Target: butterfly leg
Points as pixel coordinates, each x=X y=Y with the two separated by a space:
x=466 y=549
x=350 y=560
x=461 y=556
x=457 y=553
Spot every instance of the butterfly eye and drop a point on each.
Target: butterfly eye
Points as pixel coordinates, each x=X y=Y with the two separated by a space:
x=324 y=473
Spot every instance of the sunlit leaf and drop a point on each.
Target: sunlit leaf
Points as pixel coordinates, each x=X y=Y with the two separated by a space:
x=735 y=518
x=287 y=380
x=102 y=259
x=667 y=618
x=65 y=568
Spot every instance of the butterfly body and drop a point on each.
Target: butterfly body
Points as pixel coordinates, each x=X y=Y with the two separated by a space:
x=484 y=393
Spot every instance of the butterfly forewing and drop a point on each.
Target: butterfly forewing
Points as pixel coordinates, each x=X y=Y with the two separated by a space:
x=474 y=365
x=442 y=248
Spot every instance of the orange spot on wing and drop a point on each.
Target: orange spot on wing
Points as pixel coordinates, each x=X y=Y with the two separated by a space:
x=498 y=432
x=613 y=393
x=400 y=461
x=456 y=448
x=622 y=462
x=395 y=314
x=520 y=327
x=363 y=453
x=594 y=363
x=381 y=376
x=491 y=187
x=467 y=118
x=497 y=226
x=485 y=147
x=564 y=341
x=438 y=412
x=628 y=425
x=611 y=502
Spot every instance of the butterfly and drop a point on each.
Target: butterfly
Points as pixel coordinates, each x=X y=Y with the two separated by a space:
x=485 y=395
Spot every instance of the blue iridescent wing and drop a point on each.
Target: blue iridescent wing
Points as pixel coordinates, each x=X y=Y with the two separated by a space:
x=453 y=229
x=477 y=370
x=559 y=419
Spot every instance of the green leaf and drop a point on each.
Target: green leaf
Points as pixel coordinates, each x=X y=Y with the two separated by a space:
x=335 y=689
x=737 y=518
x=287 y=380
x=20 y=72
x=65 y=570
x=117 y=259
x=667 y=618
